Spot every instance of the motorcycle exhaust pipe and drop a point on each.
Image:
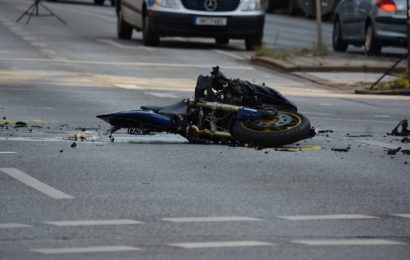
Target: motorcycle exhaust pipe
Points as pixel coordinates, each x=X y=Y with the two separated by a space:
x=220 y=134
x=216 y=106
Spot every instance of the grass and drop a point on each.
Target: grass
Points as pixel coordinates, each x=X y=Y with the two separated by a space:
x=402 y=82
x=262 y=51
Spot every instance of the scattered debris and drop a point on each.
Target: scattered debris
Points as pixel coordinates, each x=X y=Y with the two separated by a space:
x=259 y=147
x=285 y=150
x=393 y=151
x=341 y=149
x=405 y=140
x=401 y=129
x=266 y=152
x=406 y=152
x=61 y=150
x=20 y=124
x=74 y=145
x=325 y=131
x=406 y=163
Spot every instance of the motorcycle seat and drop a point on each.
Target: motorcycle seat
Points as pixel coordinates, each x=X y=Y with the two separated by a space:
x=173 y=110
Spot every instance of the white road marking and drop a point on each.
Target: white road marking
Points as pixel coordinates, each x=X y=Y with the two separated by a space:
x=161 y=95
x=401 y=215
x=221 y=244
x=229 y=54
x=35 y=184
x=94 y=222
x=92 y=249
x=133 y=64
x=39 y=44
x=325 y=104
x=7 y=152
x=14 y=225
x=210 y=219
x=128 y=86
x=382 y=116
x=122 y=46
x=29 y=38
x=328 y=217
x=347 y=242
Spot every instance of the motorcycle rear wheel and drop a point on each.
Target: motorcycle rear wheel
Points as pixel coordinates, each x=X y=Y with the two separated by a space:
x=285 y=128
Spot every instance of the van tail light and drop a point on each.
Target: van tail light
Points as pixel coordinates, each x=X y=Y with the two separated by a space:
x=387 y=5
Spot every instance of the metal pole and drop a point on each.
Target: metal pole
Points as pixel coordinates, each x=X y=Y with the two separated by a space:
x=408 y=41
x=319 y=43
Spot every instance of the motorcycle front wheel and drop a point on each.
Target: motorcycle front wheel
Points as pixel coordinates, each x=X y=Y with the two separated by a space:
x=285 y=128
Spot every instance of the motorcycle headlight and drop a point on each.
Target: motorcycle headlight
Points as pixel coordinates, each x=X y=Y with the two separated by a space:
x=250 y=5
x=174 y=4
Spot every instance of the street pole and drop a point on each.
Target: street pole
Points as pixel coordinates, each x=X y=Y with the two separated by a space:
x=408 y=42
x=319 y=41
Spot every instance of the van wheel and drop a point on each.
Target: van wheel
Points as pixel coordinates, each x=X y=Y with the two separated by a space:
x=98 y=2
x=252 y=44
x=149 y=35
x=124 y=30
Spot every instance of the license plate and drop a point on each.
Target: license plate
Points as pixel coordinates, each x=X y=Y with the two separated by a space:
x=212 y=21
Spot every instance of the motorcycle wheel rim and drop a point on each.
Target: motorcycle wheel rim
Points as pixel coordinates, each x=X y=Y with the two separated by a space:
x=284 y=121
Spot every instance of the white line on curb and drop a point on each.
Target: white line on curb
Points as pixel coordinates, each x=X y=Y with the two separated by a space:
x=35 y=184
x=348 y=242
x=209 y=219
x=93 y=249
x=221 y=244
x=94 y=222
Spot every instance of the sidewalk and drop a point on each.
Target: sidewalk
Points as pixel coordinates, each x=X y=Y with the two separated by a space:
x=347 y=72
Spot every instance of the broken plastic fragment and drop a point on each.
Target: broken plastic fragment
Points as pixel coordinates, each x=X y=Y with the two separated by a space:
x=20 y=124
x=401 y=129
x=325 y=131
x=406 y=152
x=393 y=151
x=341 y=149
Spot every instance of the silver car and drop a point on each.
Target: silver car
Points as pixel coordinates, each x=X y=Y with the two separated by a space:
x=219 y=19
x=372 y=23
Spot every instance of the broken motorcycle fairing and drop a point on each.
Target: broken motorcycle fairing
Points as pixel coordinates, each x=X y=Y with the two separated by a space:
x=223 y=110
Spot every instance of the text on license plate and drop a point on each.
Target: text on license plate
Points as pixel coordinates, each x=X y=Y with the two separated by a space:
x=213 y=21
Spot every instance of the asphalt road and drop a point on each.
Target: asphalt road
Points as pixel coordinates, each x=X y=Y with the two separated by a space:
x=159 y=197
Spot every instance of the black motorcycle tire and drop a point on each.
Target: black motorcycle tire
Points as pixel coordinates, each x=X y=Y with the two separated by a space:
x=298 y=129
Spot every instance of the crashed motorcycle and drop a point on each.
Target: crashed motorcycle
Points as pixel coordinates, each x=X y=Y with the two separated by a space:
x=222 y=111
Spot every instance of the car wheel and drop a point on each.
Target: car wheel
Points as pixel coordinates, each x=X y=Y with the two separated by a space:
x=371 y=45
x=252 y=44
x=337 y=40
x=112 y=2
x=124 y=30
x=149 y=35
x=98 y=2
x=222 y=41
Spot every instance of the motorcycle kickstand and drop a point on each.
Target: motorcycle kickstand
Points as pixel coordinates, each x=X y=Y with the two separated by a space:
x=113 y=129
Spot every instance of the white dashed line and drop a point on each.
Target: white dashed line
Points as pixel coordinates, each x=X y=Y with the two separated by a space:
x=35 y=184
x=221 y=244
x=94 y=222
x=7 y=152
x=94 y=249
x=39 y=44
x=128 y=86
x=14 y=225
x=210 y=219
x=29 y=38
x=401 y=215
x=328 y=217
x=382 y=116
x=348 y=242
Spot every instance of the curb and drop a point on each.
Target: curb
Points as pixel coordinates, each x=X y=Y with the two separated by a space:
x=404 y=92
x=288 y=67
